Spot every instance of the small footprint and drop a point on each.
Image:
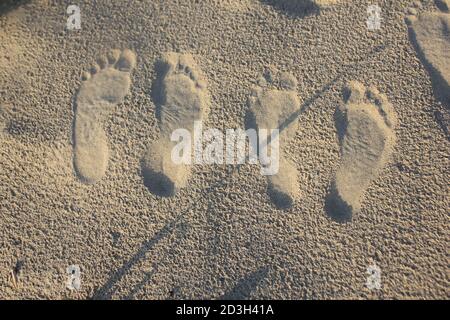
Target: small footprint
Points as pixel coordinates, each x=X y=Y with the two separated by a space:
x=106 y=85
x=181 y=98
x=429 y=33
x=365 y=126
x=269 y=109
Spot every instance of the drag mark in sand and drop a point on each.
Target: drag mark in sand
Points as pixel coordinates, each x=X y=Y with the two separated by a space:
x=104 y=87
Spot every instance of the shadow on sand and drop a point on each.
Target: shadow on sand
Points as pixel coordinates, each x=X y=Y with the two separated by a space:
x=294 y=8
x=107 y=291
x=245 y=286
x=7 y=6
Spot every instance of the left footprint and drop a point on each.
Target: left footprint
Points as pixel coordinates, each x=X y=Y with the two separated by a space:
x=105 y=86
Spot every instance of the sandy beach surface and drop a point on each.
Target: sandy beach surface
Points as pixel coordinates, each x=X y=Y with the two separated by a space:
x=87 y=182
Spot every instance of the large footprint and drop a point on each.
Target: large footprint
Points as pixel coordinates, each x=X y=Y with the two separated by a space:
x=366 y=130
x=105 y=86
x=429 y=33
x=181 y=98
x=271 y=108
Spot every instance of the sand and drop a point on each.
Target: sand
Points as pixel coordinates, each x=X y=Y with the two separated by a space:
x=86 y=179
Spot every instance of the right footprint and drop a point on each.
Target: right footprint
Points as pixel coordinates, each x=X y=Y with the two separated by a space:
x=272 y=108
x=181 y=98
x=429 y=33
x=365 y=126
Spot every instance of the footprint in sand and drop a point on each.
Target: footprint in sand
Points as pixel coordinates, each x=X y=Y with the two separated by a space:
x=365 y=126
x=429 y=33
x=104 y=87
x=181 y=98
x=271 y=105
